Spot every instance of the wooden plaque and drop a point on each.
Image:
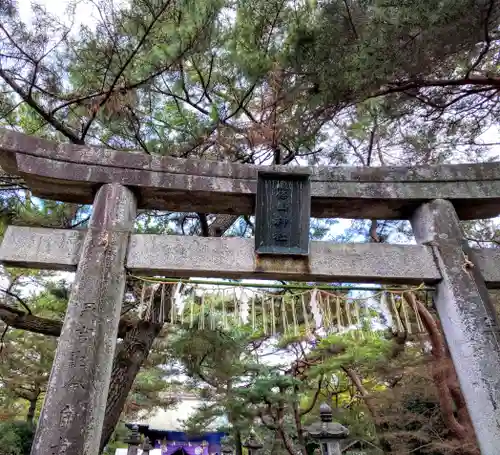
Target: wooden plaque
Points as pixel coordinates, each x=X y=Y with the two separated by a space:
x=282 y=214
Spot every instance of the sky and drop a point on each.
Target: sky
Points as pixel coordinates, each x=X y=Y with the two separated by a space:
x=85 y=12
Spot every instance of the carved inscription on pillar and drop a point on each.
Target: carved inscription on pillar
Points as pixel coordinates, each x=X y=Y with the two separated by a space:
x=282 y=214
x=72 y=416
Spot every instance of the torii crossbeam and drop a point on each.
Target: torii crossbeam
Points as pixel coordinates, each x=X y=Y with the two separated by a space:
x=180 y=256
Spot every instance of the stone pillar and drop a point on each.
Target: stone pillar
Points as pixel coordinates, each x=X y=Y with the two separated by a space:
x=467 y=317
x=73 y=411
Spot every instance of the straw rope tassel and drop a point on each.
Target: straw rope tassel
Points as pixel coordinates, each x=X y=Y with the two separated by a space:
x=405 y=314
x=237 y=315
x=143 y=299
x=264 y=316
x=149 y=307
x=339 y=315
x=294 y=316
x=235 y=309
x=175 y=307
x=348 y=314
x=368 y=320
x=273 y=318
x=191 y=315
x=158 y=313
x=325 y=320
x=420 y=324
x=399 y=324
x=162 y=304
x=217 y=309
x=151 y=304
x=319 y=312
x=283 y=314
x=314 y=304
x=211 y=315
x=323 y=310
x=329 y=313
x=254 y=317
x=202 y=311
x=306 y=316
x=224 y=312
x=385 y=306
x=358 y=316
x=182 y=311
x=172 y=301
x=323 y=316
x=287 y=323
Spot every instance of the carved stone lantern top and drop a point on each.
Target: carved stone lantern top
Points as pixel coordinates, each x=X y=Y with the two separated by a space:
x=226 y=449
x=134 y=438
x=252 y=443
x=326 y=429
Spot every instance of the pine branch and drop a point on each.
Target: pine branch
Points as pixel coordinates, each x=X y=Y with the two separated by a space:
x=49 y=118
x=315 y=398
x=19 y=299
x=117 y=77
x=399 y=87
x=18 y=319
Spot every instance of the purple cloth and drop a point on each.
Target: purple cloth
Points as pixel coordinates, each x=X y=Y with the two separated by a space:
x=187 y=448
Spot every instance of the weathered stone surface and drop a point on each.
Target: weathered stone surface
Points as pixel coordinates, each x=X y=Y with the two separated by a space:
x=40 y=248
x=71 y=173
x=179 y=256
x=467 y=317
x=73 y=410
x=58 y=249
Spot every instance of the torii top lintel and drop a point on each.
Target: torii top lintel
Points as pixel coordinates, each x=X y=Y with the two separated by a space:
x=72 y=173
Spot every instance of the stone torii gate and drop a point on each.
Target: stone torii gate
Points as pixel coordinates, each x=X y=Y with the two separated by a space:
x=433 y=198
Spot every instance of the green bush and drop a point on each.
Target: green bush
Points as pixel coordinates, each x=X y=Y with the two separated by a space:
x=15 y=438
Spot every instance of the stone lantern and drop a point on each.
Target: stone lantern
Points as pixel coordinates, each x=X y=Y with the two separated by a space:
x=327 y=432
x=252 y=444
x=133 y=440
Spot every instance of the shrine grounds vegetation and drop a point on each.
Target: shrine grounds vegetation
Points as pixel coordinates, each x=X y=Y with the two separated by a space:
x=364 y=83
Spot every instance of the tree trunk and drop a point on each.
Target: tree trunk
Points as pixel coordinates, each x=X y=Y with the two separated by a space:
x=298 y=423
x=453 y=408
x=358 y=384
x=238 y=443
x=368 y=400
x=287 y=443
x=30 y=416
x=444 y=376
x=129 y=357
x=20 y=319
x=221 y=224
